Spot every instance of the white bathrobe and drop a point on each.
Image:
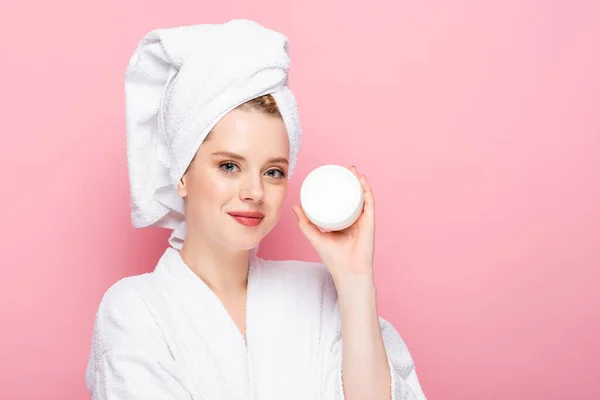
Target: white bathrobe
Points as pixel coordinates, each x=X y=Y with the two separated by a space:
x=165 y=335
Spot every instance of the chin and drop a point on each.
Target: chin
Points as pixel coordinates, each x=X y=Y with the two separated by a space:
x=245 y=243
x=245 y=240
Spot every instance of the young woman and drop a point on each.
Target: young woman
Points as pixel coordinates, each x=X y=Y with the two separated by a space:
x=214 y=320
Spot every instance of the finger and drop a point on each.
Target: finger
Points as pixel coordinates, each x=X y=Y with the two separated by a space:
x=355 y=171
x=309 y=229
x=368 y=193
x=369 y=198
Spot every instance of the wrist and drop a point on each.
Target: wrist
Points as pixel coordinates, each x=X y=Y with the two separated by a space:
x=357 y=300
x=353 y=278
x=355 y=287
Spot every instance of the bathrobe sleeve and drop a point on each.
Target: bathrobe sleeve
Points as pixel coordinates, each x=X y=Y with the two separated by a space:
x=405 y=383
x=129 y=359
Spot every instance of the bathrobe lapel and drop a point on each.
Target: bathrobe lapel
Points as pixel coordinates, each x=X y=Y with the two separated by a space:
x=205 y=337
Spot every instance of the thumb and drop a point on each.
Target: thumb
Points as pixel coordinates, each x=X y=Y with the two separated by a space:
x=309 y=229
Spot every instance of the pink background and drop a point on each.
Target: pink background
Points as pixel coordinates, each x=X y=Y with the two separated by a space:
x=477 y=124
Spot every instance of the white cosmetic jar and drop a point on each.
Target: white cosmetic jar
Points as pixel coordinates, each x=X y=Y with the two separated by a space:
x=332 y=197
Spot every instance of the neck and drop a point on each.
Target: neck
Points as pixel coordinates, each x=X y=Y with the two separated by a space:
x=224 y=271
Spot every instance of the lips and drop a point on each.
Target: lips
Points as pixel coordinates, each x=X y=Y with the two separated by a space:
x=247 y=214
x=247 y=218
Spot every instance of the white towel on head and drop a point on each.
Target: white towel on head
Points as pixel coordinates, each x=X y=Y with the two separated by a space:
x=179 y=83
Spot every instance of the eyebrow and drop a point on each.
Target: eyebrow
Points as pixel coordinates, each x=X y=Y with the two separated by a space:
x=238 y=157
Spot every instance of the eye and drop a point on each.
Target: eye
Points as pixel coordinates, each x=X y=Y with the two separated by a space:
x=276 y=173
x=228 y=167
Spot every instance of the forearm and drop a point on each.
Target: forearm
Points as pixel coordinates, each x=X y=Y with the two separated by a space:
x=365 y=369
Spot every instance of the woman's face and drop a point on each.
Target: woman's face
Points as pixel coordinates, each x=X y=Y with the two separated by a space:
x=241 y=168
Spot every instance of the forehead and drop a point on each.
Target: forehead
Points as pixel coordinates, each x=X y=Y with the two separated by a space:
x=249 y=133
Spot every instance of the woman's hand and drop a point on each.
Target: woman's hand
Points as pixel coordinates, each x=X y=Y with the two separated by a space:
x=349 y=252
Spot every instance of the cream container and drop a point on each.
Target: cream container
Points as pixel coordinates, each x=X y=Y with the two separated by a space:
x=332 y=197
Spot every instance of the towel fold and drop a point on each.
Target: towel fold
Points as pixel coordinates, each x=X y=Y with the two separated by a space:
x=179 y=83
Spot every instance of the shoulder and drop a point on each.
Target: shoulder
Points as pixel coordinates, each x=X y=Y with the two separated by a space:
x=125 y=295
x=123 y=315
x=126 y=338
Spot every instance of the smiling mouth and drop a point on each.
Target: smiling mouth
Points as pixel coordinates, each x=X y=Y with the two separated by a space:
x=247 y=218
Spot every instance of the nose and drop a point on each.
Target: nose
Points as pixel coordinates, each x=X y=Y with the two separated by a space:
x=252 y=189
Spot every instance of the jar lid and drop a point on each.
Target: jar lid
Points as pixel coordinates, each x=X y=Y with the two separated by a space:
x=332 y=197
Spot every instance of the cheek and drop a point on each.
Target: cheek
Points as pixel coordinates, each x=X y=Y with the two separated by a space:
x=277 y=196
x=211 y=192
x=222 y=188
